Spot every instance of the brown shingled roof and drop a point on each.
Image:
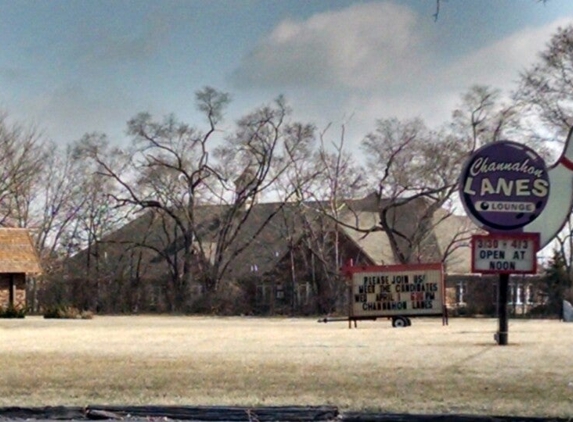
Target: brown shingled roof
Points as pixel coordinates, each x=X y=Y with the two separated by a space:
x=17 y=252
x=263 y=238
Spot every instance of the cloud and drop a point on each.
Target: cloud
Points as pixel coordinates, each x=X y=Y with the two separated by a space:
x=379 y=60
x=419 y=87
x=129 y=44
x=12 y=74
x=357 y=47
x=500 y=63
x=69 y=111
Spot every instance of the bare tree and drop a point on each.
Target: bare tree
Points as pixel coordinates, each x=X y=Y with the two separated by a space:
x=482 y=118
x=340 y=179
x=545 y=89
x=266 y=150
x=323 y=180
x=45 y=188
x=415 y=180
x=416 y=170
x=545 y=92
x=564 y=245
x=71 y=212
x=166 y=170
x=201 y=193
x=22 y=151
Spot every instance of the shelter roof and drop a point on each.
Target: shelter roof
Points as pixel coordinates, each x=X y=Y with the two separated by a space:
x=17 y=252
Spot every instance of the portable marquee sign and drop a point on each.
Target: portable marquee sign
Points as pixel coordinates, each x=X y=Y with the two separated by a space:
x=393 y=290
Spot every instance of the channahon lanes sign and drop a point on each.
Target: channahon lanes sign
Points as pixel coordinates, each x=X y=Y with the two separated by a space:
x=504 y=186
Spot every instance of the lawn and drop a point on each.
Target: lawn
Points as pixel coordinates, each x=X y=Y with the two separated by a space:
x=426 y=368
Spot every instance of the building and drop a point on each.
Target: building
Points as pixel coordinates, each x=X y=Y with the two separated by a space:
x=274 y=257
x=18 y=258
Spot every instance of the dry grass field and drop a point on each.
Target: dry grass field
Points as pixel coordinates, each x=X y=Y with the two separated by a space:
x=425 y=368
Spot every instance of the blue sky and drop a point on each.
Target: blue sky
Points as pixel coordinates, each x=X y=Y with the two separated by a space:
x=72 y=67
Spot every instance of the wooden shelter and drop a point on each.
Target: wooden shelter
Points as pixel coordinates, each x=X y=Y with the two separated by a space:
x=18 y=257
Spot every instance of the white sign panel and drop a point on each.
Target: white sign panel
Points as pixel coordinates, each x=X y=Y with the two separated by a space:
x=397 y=290
x=505 y=253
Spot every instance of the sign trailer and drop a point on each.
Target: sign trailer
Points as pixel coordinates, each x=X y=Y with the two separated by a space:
x=397 y=292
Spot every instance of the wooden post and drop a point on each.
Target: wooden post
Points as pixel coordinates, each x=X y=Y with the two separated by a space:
x=502 y=334
x=12 y=291
x=350 y=307
x=348 y=280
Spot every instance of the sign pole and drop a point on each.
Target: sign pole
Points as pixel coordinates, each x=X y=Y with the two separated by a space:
x=502 y=334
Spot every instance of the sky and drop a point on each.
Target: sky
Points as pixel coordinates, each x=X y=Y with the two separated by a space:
x=74 y=67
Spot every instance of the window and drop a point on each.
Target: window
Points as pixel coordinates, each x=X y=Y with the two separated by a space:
x=280 y=291
x=517 y=294
x=303 y=293
x=264 y=293
x=460 y=293
x=529 y=294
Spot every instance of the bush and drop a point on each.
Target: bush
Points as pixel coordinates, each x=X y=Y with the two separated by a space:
x=541 y=311
x=13 y=312
x=86 y=315
x=228 y=301
x=463 y=311
x=67 y=312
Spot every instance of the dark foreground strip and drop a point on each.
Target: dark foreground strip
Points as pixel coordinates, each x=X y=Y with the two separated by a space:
x=237 y=414
x=377 y=417
x=188 y=413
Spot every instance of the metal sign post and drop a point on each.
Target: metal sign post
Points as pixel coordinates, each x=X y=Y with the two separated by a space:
x=502 y=336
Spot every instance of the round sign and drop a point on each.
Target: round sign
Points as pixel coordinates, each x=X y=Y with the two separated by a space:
x=504 y=186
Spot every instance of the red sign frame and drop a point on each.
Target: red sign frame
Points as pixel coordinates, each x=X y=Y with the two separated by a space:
x=351 y=269
x=534 y=237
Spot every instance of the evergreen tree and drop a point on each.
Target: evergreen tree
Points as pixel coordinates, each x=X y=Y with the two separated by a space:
x=557 y=283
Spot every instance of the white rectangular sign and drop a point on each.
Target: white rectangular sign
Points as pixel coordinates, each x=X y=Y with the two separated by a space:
x=397 y=290
x=505 y=253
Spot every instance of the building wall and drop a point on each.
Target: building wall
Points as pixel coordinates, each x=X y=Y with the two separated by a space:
x=19 y=290
x=312 y=288
x=475 y=294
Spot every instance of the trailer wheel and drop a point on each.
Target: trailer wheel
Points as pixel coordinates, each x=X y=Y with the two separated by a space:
x=408 y=321
x=399 y=322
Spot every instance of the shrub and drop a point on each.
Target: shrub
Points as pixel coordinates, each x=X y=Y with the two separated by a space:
x=541 y=311
x=225 y=302
x=13 y=312
x=66 y=312
x=86 y=315
x=460 y=311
